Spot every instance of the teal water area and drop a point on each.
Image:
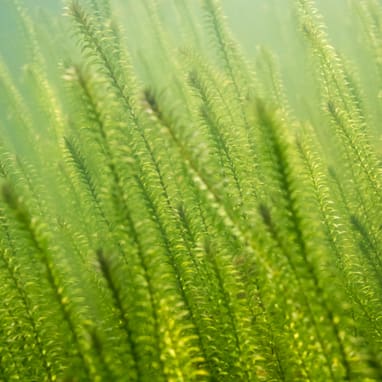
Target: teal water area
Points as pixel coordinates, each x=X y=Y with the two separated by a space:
x=254 y=23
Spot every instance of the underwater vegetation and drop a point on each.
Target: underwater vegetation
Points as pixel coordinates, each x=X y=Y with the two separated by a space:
x=170 y=209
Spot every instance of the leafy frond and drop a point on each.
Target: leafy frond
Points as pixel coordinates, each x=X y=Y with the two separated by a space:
x=166 y=215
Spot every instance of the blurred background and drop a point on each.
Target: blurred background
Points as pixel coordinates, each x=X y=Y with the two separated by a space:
x=254 y=23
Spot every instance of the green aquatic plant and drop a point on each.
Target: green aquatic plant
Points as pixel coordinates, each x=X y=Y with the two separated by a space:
x=183 y=219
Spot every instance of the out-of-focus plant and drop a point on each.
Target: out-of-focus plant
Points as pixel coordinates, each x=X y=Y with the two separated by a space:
x=174 y=220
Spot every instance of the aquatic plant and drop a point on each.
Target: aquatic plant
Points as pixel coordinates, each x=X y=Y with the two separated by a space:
x=177 y=216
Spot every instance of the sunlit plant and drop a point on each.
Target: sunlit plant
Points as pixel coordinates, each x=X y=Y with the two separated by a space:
x=177 y=219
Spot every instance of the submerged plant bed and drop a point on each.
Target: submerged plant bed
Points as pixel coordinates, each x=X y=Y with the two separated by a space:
x=171 y=211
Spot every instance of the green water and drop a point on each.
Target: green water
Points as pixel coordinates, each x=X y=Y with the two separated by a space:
x=254 y=23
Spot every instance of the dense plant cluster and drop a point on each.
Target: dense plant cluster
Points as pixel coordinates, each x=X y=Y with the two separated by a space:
x=187 y=225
